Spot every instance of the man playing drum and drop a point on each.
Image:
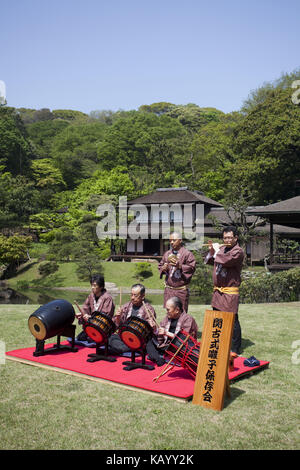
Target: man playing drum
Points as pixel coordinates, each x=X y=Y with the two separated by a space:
x=99 y=300
x=136 y=307
x=178 y=266
x=175 y=320
x=228 y=262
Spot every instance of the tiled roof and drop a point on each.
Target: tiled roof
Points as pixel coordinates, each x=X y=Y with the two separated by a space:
x=173 y=196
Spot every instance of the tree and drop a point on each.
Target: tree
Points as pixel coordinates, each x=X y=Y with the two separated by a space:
x=15 y=148
x=139 y=139
x=75 y=151
x=13 y=251
x=266 y=145
x=87 y=260
x=42 y=134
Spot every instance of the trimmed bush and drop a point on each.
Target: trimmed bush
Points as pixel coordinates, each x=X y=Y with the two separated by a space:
x=280 y=287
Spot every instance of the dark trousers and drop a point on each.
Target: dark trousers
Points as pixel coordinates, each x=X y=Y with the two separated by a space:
x=155 y=354
x=116 y=345
x=236 y=342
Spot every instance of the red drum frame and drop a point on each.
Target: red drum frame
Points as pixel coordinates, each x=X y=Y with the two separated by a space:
x=135 y=333
x=99 y=327
x=188 y=355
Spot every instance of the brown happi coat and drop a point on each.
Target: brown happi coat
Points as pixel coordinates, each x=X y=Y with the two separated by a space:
x=185 y=322
x=227 y=273
x=177 y=280
x=142 y=313
x=104 y=304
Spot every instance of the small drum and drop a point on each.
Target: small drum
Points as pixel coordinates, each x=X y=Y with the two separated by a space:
x=188 y=355
x=135 y=333
x=99 y=327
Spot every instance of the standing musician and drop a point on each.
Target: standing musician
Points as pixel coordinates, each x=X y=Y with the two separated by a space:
x=136 y=307
x=178 y=265
x=175 y=320
x=228 y=262
x=99 y=300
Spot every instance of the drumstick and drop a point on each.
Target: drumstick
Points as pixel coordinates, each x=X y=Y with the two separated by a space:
x=120 y=296
x=165 y=371
x=174 y=355
x=151 y=315
x=79 y=308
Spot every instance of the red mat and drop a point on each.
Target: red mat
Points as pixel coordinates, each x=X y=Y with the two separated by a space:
x=177 y=383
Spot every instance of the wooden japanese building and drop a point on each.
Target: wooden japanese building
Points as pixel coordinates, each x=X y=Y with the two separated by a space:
x=177 y=201
x=284 y=219
x=215 y=217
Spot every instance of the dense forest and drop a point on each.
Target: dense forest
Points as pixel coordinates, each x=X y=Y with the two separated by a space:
x=57 y=166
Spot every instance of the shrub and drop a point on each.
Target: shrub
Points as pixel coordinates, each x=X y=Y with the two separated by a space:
x=47 y=267
x=143 y=270
x=280 y=287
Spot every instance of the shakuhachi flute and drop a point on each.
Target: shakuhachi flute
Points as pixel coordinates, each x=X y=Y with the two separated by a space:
x=210 y=244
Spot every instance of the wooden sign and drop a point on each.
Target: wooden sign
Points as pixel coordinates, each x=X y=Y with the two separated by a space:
x=212 y=371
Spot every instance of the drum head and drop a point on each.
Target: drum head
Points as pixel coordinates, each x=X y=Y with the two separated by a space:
x=37 y=327
x=95 y=334
x=99 y=327
x=132 y=339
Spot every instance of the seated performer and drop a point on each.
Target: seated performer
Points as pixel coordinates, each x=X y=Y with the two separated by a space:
x=99 y=300
x=136 y=307
x=175 y=320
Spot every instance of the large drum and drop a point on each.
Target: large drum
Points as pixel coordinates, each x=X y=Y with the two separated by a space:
x=135 y=333
x=51 y=319
x=99 y=327
x=188 y=355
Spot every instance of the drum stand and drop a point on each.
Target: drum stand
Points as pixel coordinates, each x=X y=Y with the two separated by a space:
x=130 y=365
x=99 y=356
x=68 y=331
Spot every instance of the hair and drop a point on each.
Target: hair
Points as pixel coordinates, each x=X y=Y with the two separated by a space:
x=230 y=228
x=98 y=279
x=141 y=287
x=177 y=303
x=177 y=235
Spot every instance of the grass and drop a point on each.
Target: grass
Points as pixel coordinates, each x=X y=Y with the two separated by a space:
x=120 y=273
x=42 y=409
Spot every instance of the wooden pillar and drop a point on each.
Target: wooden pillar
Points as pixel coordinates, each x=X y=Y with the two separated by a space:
x=271 y=242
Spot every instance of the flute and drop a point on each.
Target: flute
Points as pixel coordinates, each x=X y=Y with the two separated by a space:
x=210 y=244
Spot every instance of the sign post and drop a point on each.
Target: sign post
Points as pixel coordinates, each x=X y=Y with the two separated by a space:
x=212 y=371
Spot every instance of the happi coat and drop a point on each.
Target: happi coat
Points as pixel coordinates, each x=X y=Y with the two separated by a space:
x=178 y=279
x=103 y=304
x=185 y=322
x=228 y=265
x=146 y=312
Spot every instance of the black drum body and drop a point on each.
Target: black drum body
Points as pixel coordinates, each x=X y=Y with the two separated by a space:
x=99 y=327
x=50 y=319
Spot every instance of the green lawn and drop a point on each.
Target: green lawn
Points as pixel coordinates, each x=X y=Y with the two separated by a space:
x=121 y=273
x=42 y=409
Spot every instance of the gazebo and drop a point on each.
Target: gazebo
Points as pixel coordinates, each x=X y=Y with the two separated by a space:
x=285 y=213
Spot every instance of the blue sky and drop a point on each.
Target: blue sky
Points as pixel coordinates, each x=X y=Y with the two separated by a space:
x=111 y=54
